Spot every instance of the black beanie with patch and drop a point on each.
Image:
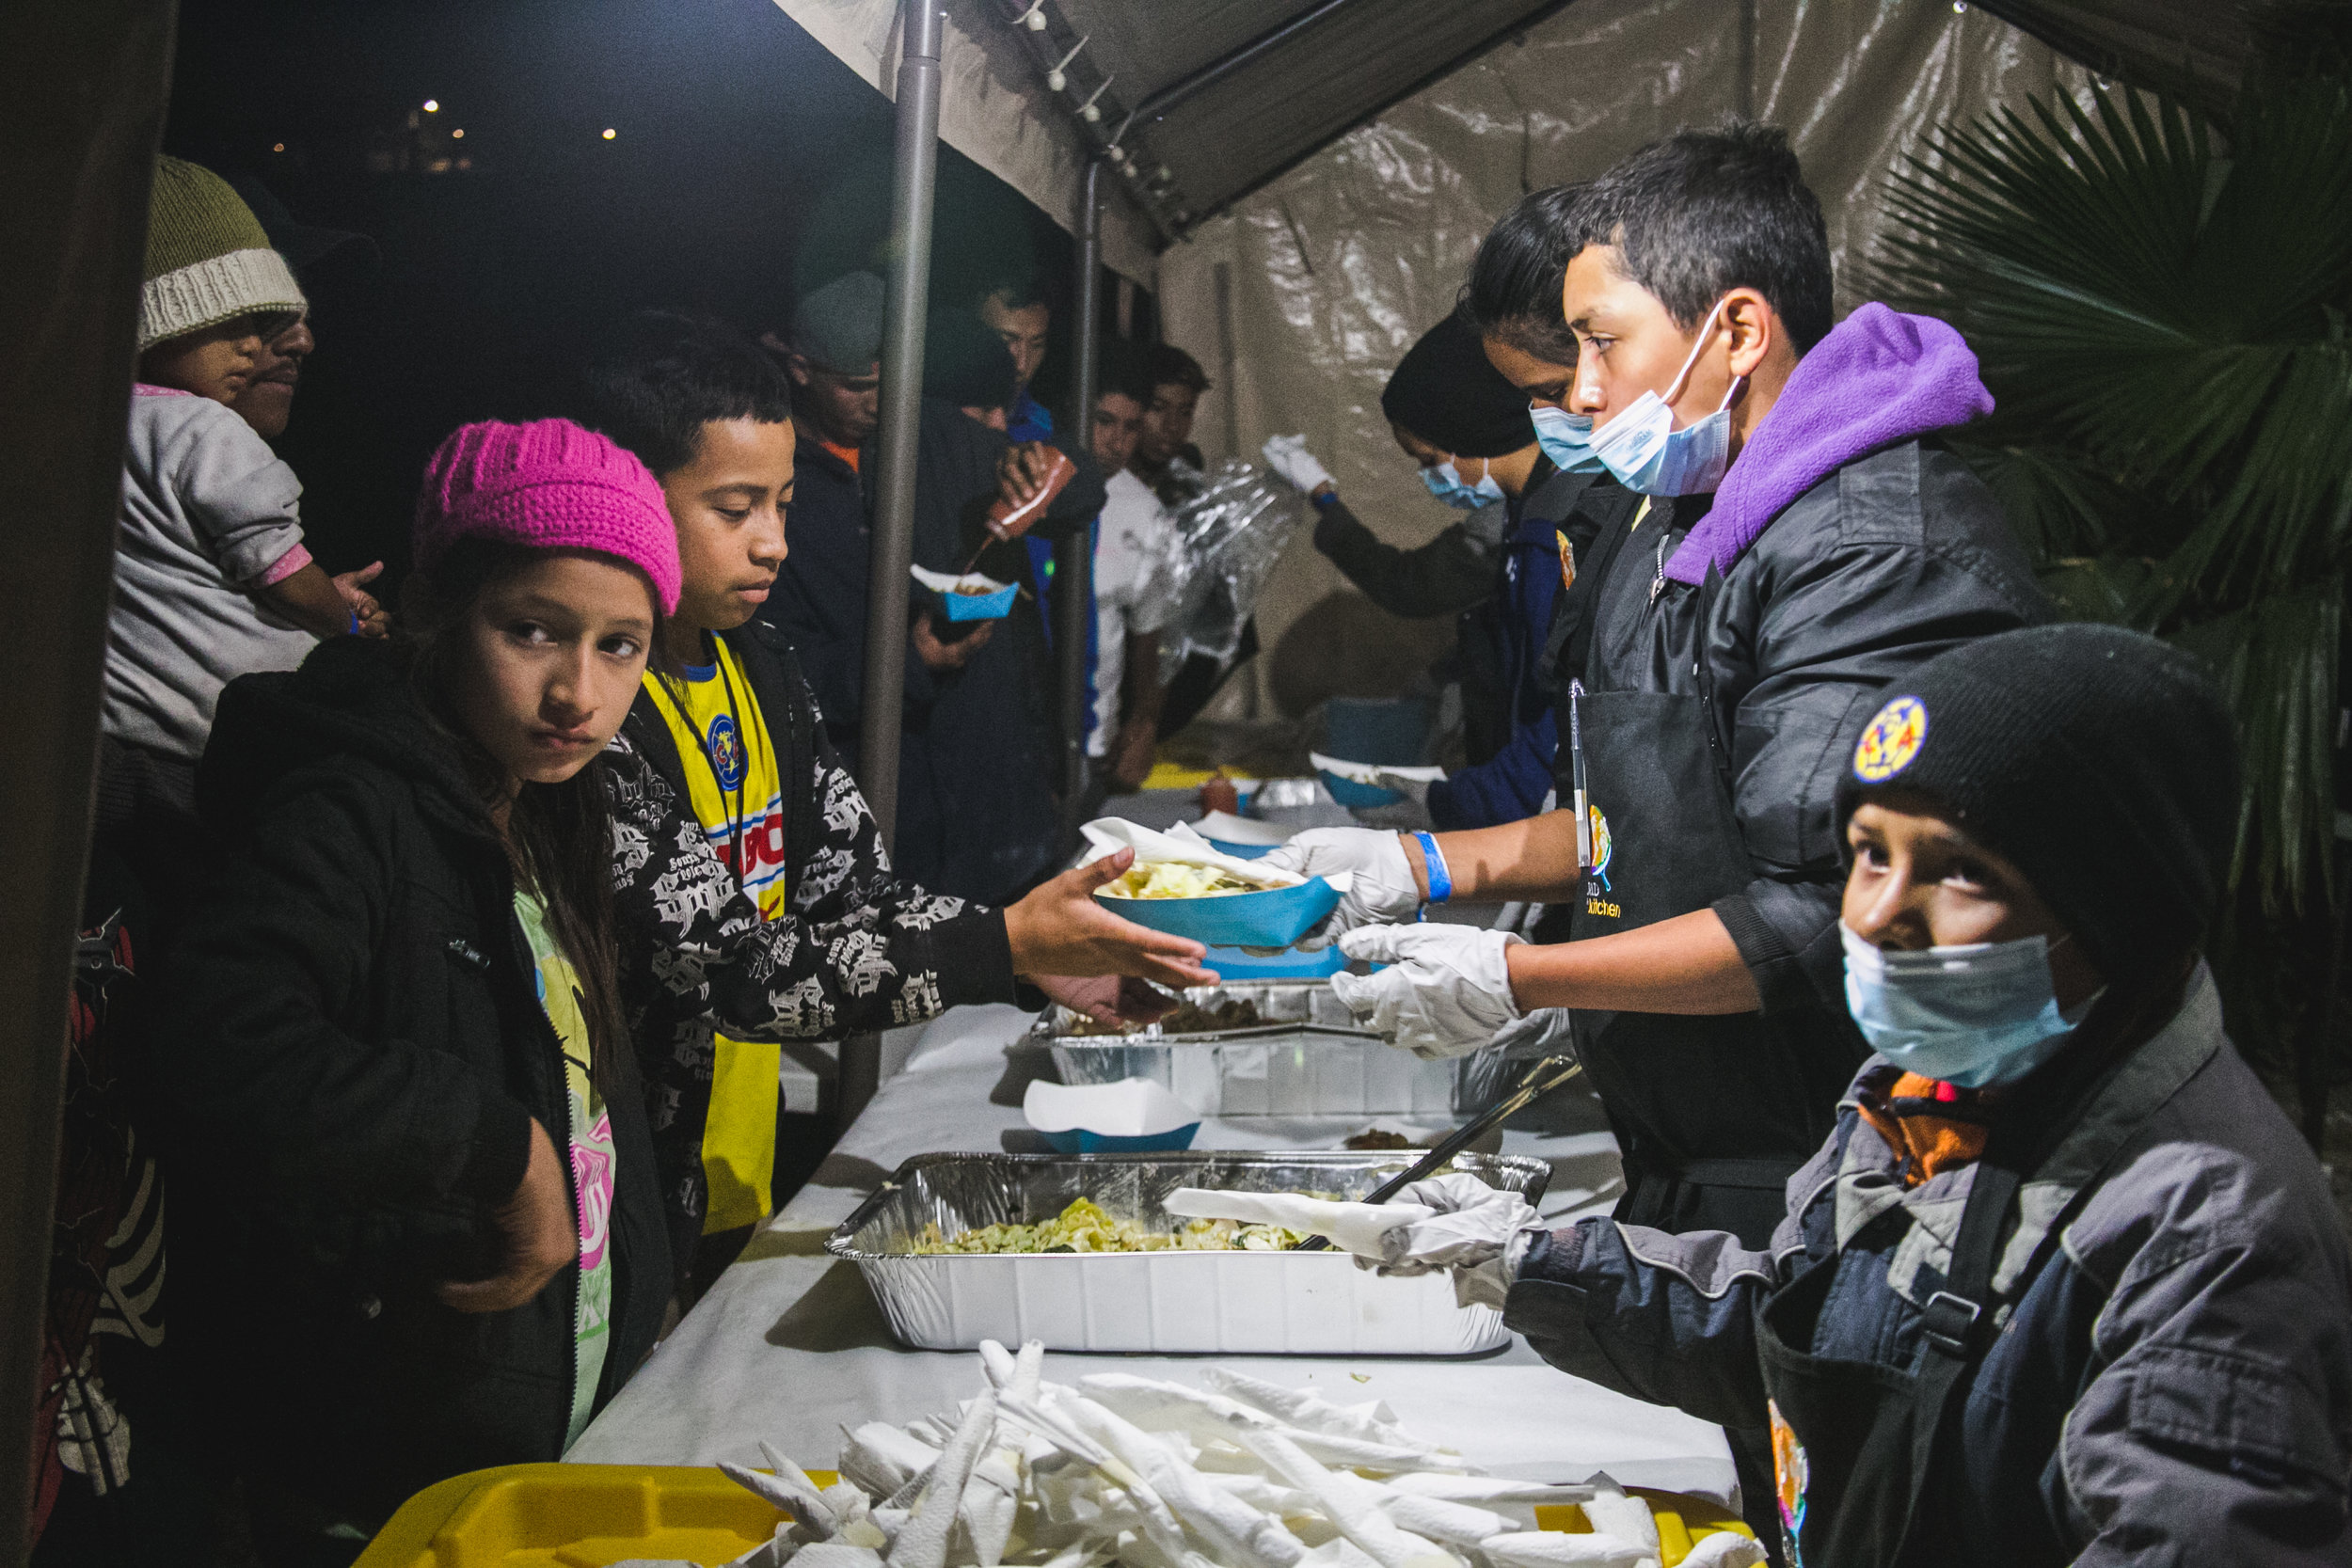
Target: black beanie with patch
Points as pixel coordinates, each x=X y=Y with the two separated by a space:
x=1446 y=392
x=2102 y=764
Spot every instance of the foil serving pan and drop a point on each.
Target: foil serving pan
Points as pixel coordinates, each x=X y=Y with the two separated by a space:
x=1307 y=1058
x=1214 y=1303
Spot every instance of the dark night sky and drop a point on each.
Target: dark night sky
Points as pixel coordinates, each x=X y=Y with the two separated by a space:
x=749 y=163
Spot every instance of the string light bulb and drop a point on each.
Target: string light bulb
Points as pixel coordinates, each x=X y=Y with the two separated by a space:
x=610 y=133
x=433 y=105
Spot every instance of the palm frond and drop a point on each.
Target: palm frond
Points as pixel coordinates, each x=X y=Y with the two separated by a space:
x=2163 y=327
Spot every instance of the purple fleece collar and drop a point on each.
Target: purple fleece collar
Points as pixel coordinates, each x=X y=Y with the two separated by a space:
x=1879 y=377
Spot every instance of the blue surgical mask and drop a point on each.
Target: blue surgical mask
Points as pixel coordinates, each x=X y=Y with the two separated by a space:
x=1972 y=1016
x=1566 y=438
x=1646 y=454
x=1445 y=483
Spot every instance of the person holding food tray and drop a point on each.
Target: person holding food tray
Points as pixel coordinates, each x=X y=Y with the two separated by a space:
x=1803 y=542
x=733 y=736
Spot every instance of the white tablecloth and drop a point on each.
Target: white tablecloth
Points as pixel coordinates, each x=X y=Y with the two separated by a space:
x=790 y=1346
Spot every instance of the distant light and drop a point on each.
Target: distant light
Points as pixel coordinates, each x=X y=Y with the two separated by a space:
x=277 y=147
x=1960 y=4
x=433 y=105
x=610 y=133
x=457 y=135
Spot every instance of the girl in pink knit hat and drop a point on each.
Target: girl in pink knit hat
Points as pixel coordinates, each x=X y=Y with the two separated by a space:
x=419 y=1229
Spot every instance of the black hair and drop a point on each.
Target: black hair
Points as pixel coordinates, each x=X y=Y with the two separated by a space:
x=1703 y=212
x=1512 y=292
x=559 y=837
x=1124 y=370
x=661 y=375
x=1167 y=365
x=1018 y=285
x=966 y=363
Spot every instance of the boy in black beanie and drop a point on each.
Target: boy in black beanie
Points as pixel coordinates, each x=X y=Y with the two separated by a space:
x=2064 y=1286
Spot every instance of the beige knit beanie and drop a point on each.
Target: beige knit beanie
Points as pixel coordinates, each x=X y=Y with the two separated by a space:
x=207 y=260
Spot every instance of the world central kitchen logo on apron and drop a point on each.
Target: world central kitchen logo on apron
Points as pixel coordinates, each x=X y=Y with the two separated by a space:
x=1597 y=879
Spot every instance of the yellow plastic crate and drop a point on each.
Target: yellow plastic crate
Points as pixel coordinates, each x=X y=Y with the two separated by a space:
x=591 y=1515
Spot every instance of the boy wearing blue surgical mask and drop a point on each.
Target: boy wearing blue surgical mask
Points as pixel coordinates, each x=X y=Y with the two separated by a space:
x=1501 y=568
x=1802 y=541
x=2062 y=1285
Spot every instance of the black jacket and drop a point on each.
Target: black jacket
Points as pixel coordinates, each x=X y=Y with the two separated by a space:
x=1889 y=560
x=856 y=946
x=358 y=1054
x=2171 y=1381
x=976 y=832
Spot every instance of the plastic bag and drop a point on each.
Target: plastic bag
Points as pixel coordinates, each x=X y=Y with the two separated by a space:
x=1228 y=537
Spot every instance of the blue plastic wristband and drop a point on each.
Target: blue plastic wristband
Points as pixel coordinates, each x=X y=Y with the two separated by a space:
x=1440 y=879
x=1323 y=501
x=354 y=622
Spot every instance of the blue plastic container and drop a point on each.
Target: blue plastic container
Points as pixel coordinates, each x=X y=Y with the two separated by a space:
x=1079 y=1141
x=1275 y=918
x=980 y=607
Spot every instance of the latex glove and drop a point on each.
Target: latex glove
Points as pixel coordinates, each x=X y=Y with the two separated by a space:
x=1383 y=890
x=1447 y=992
x=1410 y=815
x=1482 y=1233
x=1288 y=455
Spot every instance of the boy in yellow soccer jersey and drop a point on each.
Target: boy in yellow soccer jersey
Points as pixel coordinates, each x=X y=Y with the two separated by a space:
x=731 y=728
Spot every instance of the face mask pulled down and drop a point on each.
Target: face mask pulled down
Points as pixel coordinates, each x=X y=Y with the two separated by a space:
x=1973 y=1017
x=1648 y=455
x=1444 y=481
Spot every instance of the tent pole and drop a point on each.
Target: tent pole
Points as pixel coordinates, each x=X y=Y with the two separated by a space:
x=1225 y=65
x=914 y=170
x=82 y=95
x=1073 y=554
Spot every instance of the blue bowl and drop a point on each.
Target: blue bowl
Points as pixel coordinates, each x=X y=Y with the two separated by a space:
x=980 y=607
x=1359 y=796
x=1232 y=963
x=1079 y=1141
x=1275 y=918
x=1243 y=852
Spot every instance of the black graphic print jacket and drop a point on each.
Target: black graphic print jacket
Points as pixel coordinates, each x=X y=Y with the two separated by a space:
x=857 y=949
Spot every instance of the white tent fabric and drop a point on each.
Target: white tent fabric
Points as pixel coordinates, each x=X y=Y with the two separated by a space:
x=1300 y=300
x=993 y=109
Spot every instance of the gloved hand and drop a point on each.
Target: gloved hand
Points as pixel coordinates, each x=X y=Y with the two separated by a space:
x=1384 y=891
x=1447 y=992
x=1288 y=455
x=1480 y=1232
x=1409 y=814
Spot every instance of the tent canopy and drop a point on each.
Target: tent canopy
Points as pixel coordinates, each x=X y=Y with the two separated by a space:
x=1209 y=100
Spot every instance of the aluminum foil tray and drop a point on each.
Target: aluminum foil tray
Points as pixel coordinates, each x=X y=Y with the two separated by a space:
x=1223 y=1303
x=1309 y=1058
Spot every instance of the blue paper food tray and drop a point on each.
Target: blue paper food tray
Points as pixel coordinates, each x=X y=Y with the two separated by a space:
x=1079 y=1141
x=980 y=607
x=1358 y=796
x=1275 y=918
x=1232 y=963
x=1243 y=852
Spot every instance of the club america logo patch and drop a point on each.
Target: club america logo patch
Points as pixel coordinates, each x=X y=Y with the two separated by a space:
x=726 y=752
x=1892 y=740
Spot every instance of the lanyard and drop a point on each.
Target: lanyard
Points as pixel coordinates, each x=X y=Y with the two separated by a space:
x=736 y=825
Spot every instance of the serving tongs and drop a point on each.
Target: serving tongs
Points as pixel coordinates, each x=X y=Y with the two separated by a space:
x=1539 y=1081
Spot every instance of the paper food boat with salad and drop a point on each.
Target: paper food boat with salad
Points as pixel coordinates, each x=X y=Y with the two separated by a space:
x=1183 y=885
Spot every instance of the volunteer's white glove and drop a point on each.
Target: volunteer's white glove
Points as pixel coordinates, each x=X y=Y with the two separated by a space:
x=1482 y=1233
x=1383 y=890
x=1288 y=455
x=1446 y=993
x=1410 y=815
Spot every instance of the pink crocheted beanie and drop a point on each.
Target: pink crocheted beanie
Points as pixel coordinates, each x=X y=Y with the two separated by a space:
x=551 y=485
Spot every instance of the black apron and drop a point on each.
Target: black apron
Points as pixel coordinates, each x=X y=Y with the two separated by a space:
x=1854 y=1442
x=1713 y=1114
